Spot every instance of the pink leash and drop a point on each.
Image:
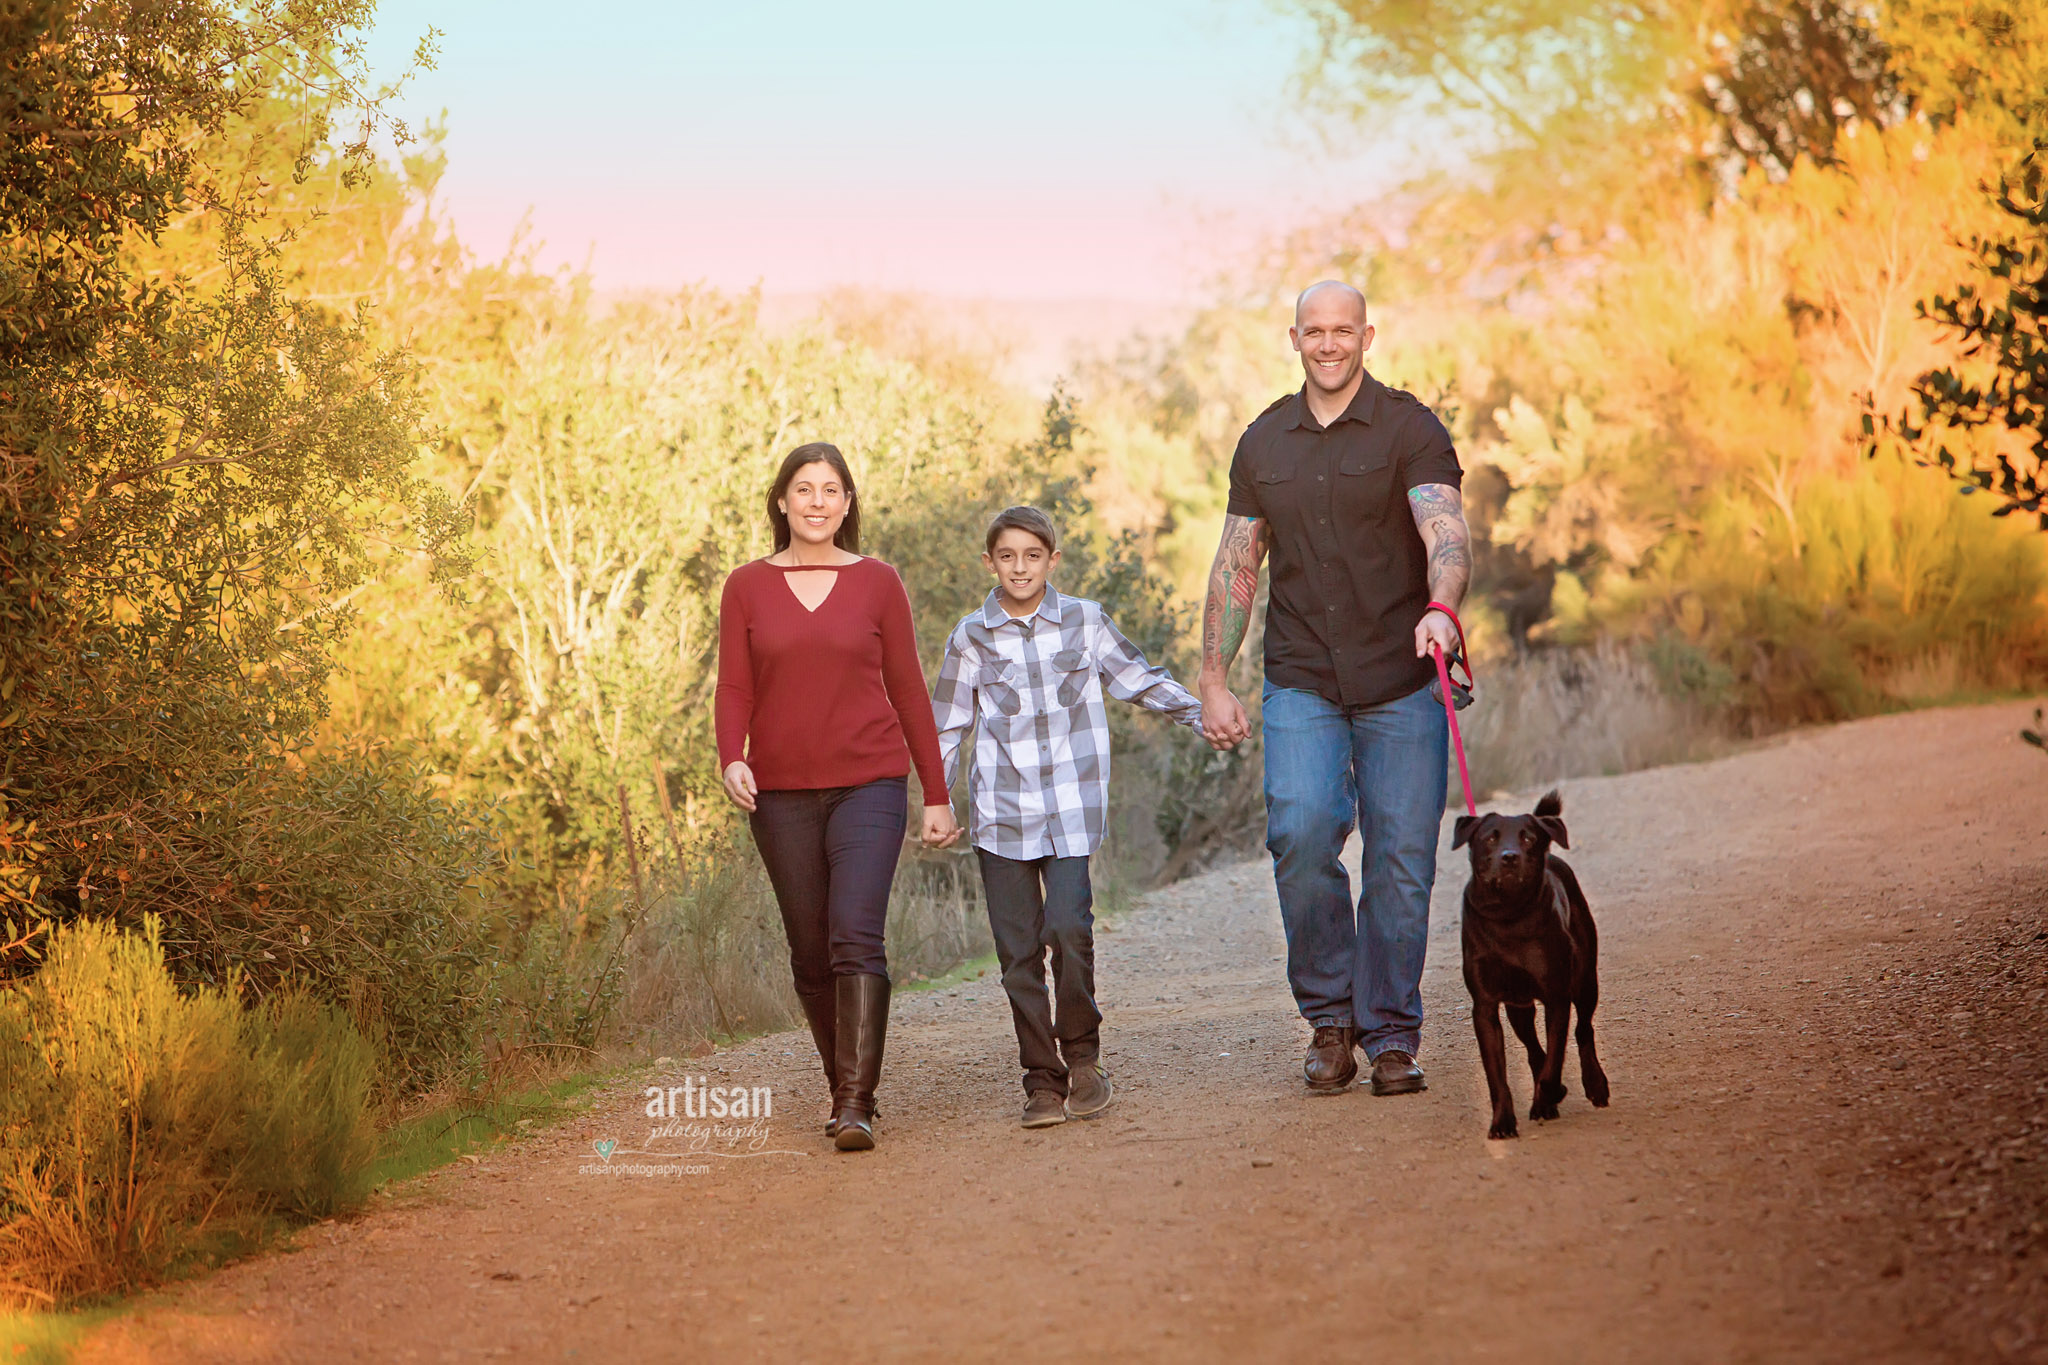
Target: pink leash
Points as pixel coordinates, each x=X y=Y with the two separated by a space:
x=1443 y=677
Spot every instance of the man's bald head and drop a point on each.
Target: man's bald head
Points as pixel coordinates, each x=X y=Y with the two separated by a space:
x=1333 y=292
x=1333 y=336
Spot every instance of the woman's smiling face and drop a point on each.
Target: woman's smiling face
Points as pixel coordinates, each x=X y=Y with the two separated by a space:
x=815 y=503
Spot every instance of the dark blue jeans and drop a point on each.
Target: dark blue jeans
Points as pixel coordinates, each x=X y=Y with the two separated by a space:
x=1383 y=767
x=831 y=855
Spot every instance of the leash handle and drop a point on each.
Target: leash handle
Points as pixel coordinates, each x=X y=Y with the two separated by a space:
x=1463 y=657
x=1443 y=677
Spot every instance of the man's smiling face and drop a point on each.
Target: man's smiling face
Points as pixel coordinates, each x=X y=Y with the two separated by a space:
x=1332 y=335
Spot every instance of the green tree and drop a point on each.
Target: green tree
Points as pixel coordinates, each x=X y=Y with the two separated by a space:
x=1783 y=79
x=197 y=469
x=1985 y=422
x=1974 y=59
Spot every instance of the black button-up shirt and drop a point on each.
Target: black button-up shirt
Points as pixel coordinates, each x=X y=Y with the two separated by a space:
x=1350 y=577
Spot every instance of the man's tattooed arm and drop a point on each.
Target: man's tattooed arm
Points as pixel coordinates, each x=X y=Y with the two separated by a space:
x=1233 y=585
x=1440 y=517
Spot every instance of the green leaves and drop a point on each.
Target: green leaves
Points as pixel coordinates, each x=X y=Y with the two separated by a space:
x=1995 y=407
x=202 y=470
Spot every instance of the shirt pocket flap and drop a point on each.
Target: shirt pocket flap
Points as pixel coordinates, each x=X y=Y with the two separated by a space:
x=995 y=682
x=1362 y=462
x=1273 y=474
x=1074 y=668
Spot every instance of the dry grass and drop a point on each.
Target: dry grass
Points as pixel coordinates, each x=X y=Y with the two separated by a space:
x=144 y=1129
x=937 y=918
x=1942 y=675
x=1577 y=713
x=1926 y=678
x=711 y=961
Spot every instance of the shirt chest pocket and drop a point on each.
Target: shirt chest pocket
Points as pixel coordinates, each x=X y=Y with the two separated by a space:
x=997 y=690
x=1364 y=479
x=1278 y=490
x=1069 y=671
x=1005 y=689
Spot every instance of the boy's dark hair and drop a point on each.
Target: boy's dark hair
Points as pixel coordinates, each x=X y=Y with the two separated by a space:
x=1027 y=519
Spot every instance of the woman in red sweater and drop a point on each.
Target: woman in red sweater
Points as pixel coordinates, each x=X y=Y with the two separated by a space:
x=821 y=713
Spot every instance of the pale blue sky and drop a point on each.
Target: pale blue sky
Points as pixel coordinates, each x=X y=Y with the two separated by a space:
x=1056 y=149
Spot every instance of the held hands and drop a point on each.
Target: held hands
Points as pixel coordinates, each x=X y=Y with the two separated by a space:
x=941 y=830
x=739 y=784
x=1224 y=723
x=1436 y=629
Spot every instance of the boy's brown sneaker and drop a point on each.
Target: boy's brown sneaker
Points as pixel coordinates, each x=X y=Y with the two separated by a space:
x=1088 y=1090
x=1044 y=1109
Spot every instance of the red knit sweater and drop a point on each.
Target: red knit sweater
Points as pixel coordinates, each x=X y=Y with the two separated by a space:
x=824 y=698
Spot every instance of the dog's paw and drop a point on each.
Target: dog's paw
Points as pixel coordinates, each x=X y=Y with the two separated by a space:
x=1503 y=1128
x=1544 y=1108
x=1596 y=1090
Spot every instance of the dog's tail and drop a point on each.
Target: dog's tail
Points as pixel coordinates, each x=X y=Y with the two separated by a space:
x=1551 y=804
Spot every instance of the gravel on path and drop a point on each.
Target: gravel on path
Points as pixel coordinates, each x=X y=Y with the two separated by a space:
x=1824 y=1010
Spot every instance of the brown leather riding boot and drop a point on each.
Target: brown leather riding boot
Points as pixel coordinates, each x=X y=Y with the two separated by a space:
x=819 y=1012
x=1329 y=1067
x=862 y=1024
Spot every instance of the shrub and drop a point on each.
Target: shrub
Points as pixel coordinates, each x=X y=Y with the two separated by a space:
x=341 y=874
x=143 y=1129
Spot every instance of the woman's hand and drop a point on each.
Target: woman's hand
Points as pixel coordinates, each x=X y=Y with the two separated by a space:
x=941 y=830
x=739 y=784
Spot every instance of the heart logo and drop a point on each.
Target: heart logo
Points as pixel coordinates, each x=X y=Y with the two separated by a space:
x=605 y=1147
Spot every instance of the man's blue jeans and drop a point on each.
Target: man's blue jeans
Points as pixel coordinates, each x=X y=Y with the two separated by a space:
x=1384 y=765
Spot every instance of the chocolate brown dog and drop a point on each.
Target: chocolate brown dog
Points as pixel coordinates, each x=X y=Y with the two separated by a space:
x=1529 y=938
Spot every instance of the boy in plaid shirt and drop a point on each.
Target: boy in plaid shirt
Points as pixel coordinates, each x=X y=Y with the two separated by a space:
x=1028 y=671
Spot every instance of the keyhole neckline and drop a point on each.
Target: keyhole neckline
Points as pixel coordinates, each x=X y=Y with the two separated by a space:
x=794 y=568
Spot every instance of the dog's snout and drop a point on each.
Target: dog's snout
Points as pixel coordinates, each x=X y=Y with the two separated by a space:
x=1510 y=855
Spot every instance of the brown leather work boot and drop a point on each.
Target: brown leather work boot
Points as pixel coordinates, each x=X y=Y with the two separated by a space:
x=1329 y=1067
x=1394 y=1072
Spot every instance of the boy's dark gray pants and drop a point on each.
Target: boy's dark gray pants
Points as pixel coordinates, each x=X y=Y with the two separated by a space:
x=1033 y=905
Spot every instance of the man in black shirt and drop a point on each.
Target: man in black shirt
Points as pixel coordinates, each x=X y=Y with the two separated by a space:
x=1352 y=487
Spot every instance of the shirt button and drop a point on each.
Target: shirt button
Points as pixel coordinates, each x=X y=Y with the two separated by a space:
x=1319 y=478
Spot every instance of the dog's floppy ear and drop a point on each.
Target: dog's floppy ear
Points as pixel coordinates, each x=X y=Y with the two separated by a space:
x=1550 y=818
x=1461 y=833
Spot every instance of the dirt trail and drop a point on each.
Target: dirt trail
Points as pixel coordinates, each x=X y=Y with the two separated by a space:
x=1824 y=1010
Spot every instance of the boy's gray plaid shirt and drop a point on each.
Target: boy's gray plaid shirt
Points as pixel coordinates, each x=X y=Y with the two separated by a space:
x=1040 y=786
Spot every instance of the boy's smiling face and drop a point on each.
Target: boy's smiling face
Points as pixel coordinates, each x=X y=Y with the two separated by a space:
x=1021 y=563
